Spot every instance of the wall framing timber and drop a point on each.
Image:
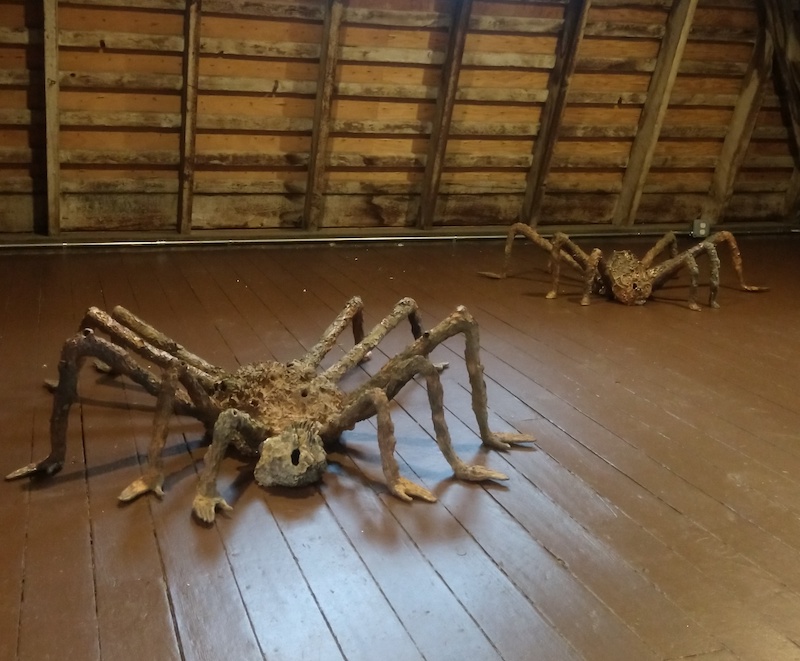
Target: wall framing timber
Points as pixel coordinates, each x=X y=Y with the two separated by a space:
x=193 y=118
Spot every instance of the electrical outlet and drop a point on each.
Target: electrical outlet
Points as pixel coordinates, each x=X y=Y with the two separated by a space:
x=700 y=229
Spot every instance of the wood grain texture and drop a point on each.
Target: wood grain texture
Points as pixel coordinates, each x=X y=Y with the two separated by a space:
x=654 y=516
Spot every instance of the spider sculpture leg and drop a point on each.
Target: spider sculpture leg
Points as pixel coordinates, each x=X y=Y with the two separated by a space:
x=589 y=265
x=159 y=340
x=153 y=477
x=736 y=257
x=353 y=312
x=374 y=400
x=150 y=344
x=206 y=411
x=76 y=349
x=667 y=241
x=537 y=239
x=404 y=309
x=666 y=269
x=230 y=424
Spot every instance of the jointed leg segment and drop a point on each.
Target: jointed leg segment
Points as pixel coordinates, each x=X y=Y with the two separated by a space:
x=373 y=397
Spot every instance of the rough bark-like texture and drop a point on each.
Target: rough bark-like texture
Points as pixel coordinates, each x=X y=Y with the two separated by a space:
x=623 y=277
x=282 y=412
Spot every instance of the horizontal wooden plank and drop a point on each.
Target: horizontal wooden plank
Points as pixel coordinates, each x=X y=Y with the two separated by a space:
x=396 y=18
x=11 y=156
x=18 y=78
x=171 y=5
x=109 y=157
x=120 y=81
x=247 y=211
x=21 y=117
x=514 y=24
x=208 y=122
x=77 y=118
x=20 y=36
x=139 y=212
x=120 y=41
x=119 y=185
x=11 y=184
x=294 y=10
x=256 y=85
x=243 y=48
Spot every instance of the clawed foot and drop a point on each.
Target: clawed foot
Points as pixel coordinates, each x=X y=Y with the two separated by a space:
x=506 y=440
x=44 y=468
x=205 y=507
x=407 y=490
x=478 y=473
x=148 y=482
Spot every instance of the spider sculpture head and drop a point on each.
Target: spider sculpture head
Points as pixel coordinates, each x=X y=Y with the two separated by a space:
x=630 y=282
x=293 y=458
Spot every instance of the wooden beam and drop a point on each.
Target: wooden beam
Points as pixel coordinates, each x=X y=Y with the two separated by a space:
x=191 y=60
x=575 y=14
x=679 y=24
x=52 y=129
x=315 y=188
x=782 y=27
x=444 y=112
x=741 y=128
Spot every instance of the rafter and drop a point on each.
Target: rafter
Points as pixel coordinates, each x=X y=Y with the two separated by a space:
x=191 y=55
x=741 y=128
x=315 y=193
x=679 y=24
x=52 y=128
x=575 y=14
x=783 y=28
x=445 y=102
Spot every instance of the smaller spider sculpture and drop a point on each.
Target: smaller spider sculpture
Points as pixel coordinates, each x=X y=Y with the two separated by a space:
x=624 y=277
x=284 y=414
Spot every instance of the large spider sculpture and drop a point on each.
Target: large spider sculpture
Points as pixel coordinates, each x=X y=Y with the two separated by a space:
x=624 y=277
x=283 y=413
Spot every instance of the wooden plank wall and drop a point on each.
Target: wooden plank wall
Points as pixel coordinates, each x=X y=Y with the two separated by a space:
x=22 y=166
x=174 y=117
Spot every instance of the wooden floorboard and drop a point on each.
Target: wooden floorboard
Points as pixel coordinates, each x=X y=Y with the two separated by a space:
x=655 y=517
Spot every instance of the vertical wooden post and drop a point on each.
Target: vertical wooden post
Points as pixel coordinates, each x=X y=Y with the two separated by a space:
x=191 y=62
x=329 y=55
x=575 y=14
x=444 y=112
x=782 y=27
x=655 y=107
x=52 y=124
x=741 y=128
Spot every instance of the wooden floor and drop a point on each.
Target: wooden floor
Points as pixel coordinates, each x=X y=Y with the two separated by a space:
x=656 y=517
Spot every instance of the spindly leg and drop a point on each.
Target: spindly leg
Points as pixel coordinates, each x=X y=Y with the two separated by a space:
x=562 y=245
x=458 y=322
x=373 y=401
x=405 y=309
x=666 y=241
x=736 y=257
x=694 y=271
x=153 y=478
x=590 y=276
x=161 y=341
x=536 y=238
x=353 y=312
x=121 y=334
x=83 y=345
x=229 y=424
x=713 y=287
